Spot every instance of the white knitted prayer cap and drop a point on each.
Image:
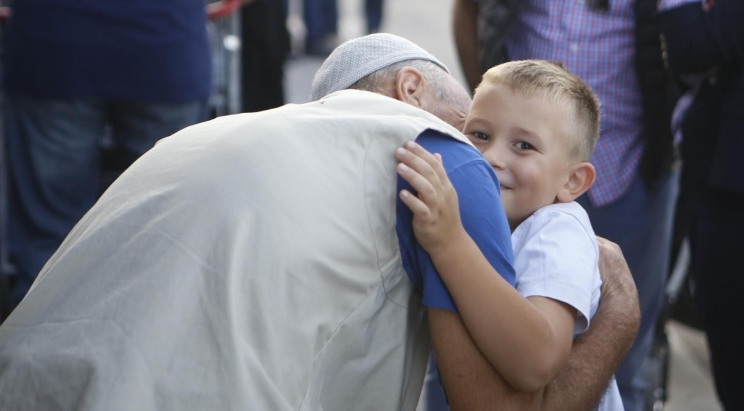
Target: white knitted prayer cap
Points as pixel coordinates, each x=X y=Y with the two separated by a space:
x=362 y=56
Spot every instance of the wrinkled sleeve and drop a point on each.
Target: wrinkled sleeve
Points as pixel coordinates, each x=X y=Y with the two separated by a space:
x=481 y=212
x=557 y=259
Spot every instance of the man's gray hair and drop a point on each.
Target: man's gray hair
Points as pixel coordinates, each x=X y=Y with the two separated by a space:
x=433 y=74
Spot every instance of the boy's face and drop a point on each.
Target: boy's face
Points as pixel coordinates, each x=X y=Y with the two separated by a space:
x=525 y=139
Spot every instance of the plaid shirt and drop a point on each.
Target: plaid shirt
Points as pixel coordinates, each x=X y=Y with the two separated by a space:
x=599 y=47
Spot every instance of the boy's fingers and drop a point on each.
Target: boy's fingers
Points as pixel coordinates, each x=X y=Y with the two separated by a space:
x=421 y=167
x=423 y=187
x=423 y=153
x=417 y=206
x=433 y=160
x=419 y=164
x=439 y=169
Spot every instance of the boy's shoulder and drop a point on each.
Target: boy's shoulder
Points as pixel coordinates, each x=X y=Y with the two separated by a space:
x=568 y=220
x=556 y=255
x=571 y=212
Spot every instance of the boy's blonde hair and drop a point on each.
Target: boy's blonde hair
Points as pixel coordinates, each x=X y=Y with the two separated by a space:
x=561 y=88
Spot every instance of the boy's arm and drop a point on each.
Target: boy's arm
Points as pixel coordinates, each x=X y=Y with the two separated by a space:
x=513 y=334
x=561 y=318
x=472 y=383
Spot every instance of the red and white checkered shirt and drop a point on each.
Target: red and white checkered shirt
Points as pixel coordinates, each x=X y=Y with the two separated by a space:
x=599 y=47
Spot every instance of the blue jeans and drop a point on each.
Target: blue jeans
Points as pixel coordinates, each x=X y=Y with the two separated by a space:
x=53 y=159
x=373 y=12
x=640 y=222
x=321 y=18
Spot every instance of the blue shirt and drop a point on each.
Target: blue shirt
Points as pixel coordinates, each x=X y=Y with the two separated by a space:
x=481 y=213
x=153 y=51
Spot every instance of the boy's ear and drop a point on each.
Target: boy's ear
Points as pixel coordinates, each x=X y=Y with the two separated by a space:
x=580 y=179
x=409 y=87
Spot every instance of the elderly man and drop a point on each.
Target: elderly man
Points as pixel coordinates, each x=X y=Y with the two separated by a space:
x=256 y=262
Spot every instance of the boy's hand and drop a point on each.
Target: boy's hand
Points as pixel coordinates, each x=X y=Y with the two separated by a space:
x=436 y=215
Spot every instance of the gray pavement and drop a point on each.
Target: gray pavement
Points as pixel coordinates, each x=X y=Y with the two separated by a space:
x=427 y=23
x=691 y=384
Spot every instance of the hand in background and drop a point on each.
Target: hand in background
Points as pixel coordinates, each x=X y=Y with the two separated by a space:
x=617 y=281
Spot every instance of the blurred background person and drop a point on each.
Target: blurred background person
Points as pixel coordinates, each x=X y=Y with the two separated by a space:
x=73 y=69
x=265 y=46
x=321 y=24
x=373 y=14
x=614 y=46
x=4 y=285
x=705 y=41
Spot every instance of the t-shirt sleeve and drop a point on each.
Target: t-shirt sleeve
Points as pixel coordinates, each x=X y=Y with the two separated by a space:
x=481 y=213
x=555 y=257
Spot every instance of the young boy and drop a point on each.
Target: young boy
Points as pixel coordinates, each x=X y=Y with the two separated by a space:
x=537 y=125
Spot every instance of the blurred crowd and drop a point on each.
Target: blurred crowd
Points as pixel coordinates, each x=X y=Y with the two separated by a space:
x=669 y=74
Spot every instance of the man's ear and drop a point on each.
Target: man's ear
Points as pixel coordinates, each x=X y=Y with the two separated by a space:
x=410 y=87
x=580 y=179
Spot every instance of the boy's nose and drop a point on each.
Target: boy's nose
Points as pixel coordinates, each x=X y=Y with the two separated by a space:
x=496 y=161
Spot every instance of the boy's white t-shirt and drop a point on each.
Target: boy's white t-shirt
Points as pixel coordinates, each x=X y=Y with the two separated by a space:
x=556 y=255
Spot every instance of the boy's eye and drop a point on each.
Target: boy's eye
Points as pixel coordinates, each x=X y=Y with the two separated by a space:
x=480 y=135
x=523 y=145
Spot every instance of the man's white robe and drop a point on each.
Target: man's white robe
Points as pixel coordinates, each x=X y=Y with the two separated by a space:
x=246 y=263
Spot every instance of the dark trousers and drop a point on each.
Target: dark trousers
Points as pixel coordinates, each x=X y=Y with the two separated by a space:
x=717 y=241
x=53 y=157
x=266 y=44
x=321 y=18
x=373 y=11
